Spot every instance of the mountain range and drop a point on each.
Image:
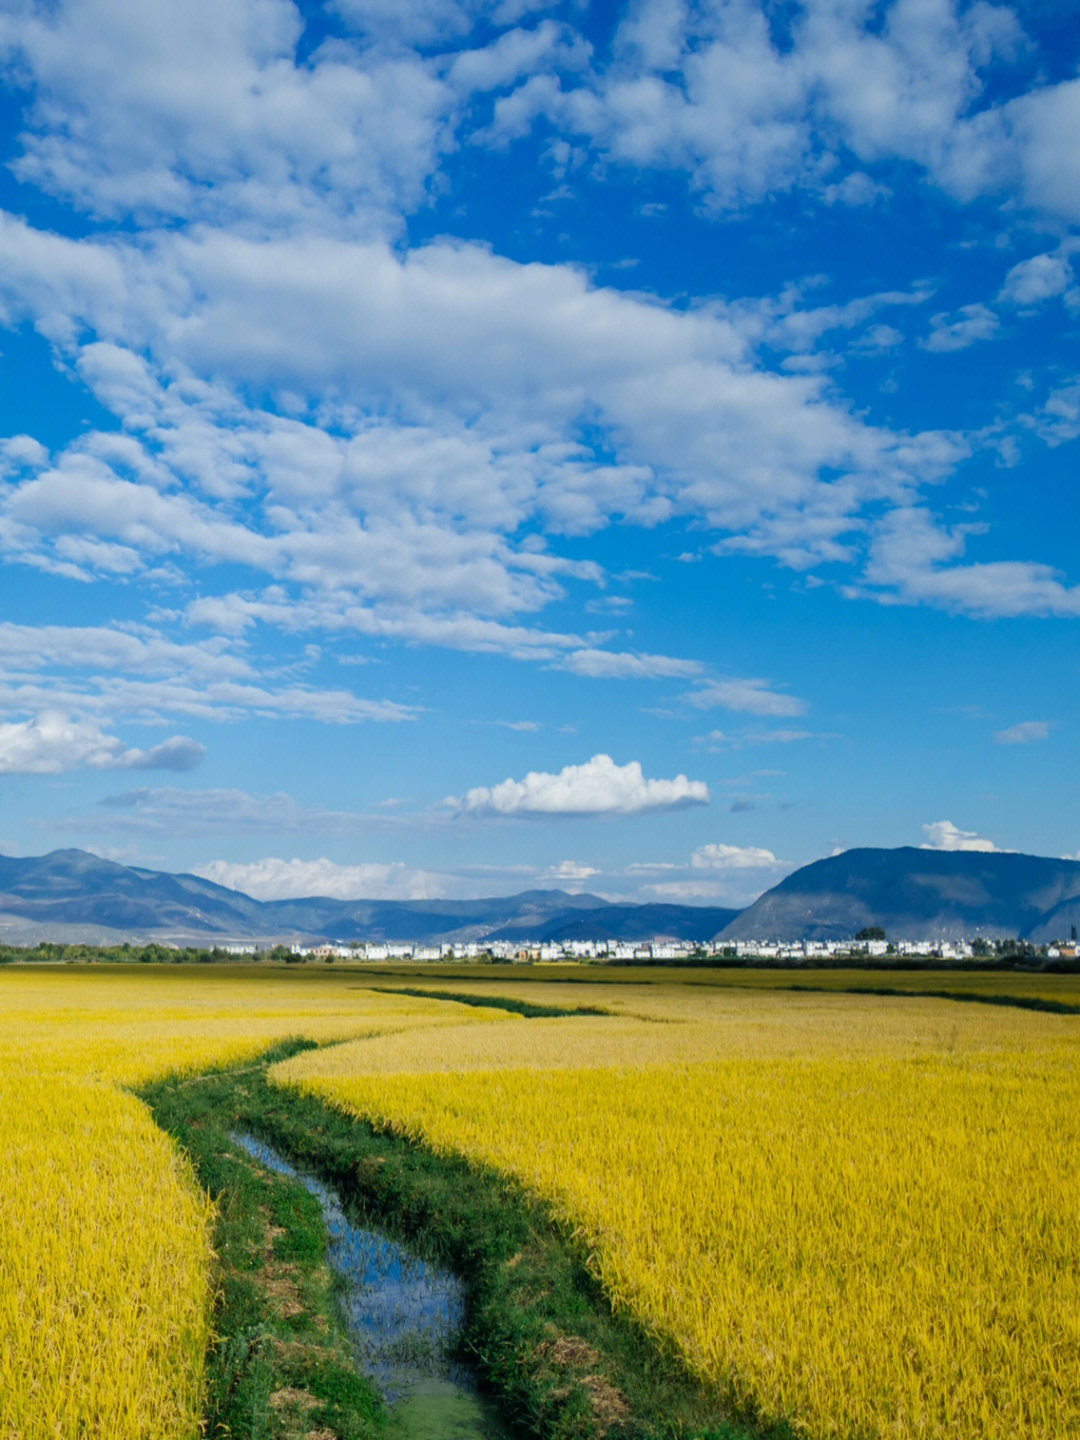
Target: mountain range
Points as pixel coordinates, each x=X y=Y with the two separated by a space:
x=71 y=895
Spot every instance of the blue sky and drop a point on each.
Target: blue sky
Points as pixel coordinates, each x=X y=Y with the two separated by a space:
x=453 y=448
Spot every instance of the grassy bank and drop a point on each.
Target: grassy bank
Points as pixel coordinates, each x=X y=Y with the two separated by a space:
x=279 y=1368
x=538 y=1330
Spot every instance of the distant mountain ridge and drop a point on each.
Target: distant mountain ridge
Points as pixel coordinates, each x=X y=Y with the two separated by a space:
x=918 y=895
x=74 y=895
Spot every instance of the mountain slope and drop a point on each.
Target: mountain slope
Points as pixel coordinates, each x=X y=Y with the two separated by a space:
x=73 y=887
x=917 y=895
x=629 y=922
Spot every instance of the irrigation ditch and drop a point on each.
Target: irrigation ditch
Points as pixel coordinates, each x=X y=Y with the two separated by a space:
x=531 y=1344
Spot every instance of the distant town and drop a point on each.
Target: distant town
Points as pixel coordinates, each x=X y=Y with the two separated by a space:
x=645 y=952
x=998 y=953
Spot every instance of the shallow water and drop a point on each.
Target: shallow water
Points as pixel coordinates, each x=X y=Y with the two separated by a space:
x=402 y=1315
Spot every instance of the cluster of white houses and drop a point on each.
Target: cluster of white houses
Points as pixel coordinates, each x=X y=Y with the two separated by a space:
x=504 y=950
x=615 y=950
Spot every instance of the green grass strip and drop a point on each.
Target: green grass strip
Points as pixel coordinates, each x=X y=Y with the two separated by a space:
x=280 y=1367
x=497 y=1002
x=539 y=1330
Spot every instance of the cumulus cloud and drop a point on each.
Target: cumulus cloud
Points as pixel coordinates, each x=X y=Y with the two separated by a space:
x=278 y=879
x=599 y=787
x=571 y=872
x=1023 y=733
x=714 y=874
x=194 y=113
x=1034 y=281
x=943 y=835
x=732 y=857
x=690 y=426
x=747 y=103
x=915 y=559
x=52 y=742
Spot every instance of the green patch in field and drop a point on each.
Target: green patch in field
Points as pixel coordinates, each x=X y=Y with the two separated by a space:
x=509 y=1003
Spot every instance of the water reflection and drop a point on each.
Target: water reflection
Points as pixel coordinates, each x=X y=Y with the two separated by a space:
x=402 y=1315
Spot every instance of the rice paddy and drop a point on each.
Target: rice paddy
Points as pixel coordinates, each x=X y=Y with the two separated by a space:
x=858 y=1215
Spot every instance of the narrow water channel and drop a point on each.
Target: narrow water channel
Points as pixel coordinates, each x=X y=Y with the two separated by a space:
x=402 y=1315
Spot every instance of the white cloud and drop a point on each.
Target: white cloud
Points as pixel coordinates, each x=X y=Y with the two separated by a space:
x=1059 y=419
x=943 y=835
x=140 y=674
x=179 y=753
x=716 y=740
x=612 y=664
x=599 y=787
x=1033 y=142
x=1023 y=733
x=214 y=113
x=1034 y=281
x=52 y=742
x=206 y=112
x=748 y=104
x=783 y=737
x=19 y=452
x=287 y=376
x=732 y=857
x=694 y=892
x=151 y=700
x=280 y=879
x=752 y=696
x=964 y=327
x=138 y=650
x=714 y=874
x=571 y=872
x=424 y=22
x=515 y=55
x=354 y=331
x=909 y=560
x=879 y=338
x=712 y=741
x=789 y=323
x=277 y=879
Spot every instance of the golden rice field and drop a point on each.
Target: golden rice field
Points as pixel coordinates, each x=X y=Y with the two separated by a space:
x=858 y=1213
x=105 y=1265
x=130 y=1025
x=986 y=984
